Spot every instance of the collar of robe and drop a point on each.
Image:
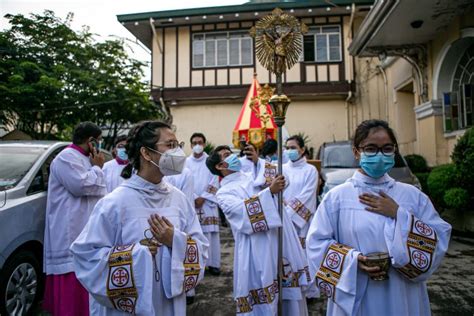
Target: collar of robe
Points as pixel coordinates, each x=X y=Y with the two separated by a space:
x=231 y=177
x=298 y=163
x=138 y=183
x=361 y=180
x=203 y=157
x=79 y=149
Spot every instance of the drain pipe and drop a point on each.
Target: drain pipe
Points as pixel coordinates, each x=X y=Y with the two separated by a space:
x=385 y=89
x=348 y=101
x=350 y=73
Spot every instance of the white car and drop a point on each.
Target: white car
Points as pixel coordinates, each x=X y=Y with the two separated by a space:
x=24 y=173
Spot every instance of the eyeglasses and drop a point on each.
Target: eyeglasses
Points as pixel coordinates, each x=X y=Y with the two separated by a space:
x=172 y=144
x=372 y=150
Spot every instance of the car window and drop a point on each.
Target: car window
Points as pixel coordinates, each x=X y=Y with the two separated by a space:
x=15 y=162
x=339 y=156
x=40 y=181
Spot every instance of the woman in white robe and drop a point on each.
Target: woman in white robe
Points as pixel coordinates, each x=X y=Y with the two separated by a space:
x=370 y=213
x=142 y=247
x=113 y=168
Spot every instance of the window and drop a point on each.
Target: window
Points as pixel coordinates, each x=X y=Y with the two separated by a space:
x=322 y=44
x=222 y=49
x=459 y=102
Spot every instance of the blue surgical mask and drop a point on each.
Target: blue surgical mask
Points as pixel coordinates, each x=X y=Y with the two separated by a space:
x=122 y=154
x=233 y=163
x=378 y=165
x=293 y=154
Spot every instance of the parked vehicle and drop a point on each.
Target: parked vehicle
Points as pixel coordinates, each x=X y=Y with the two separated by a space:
x=339 y=164
x=24 y=173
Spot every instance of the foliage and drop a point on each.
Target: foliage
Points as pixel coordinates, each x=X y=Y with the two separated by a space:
x=463 y=158
x=52 y=77
x=423 y=178
x=209 y=147
x=457 y=198
x=439 y=181
x=416 y=163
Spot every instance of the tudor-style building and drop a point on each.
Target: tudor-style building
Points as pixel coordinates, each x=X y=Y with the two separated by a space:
x=203 y=62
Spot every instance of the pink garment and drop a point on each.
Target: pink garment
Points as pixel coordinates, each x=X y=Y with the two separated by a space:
x=79 y=149
x=64 y=295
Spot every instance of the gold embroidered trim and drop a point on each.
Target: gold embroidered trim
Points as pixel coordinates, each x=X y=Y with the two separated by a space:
x=421 y=244
x=211 y=220
x=269 y=174
x=300 y=209
x=331 y=268
x=302 y=242
x=121 y=288
x=191 y=265
x=256 y=215
x=264 y=295
x=211 y=189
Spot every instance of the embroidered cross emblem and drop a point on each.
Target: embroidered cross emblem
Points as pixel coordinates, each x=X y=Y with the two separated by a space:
x=420 y=259
x=125 y=304
x=260 y=227
x=120 y=277
x=325 y=288
x=423 y=229
x=253 y=208
x=191 y=253
x=200 y=214
x=333 y=260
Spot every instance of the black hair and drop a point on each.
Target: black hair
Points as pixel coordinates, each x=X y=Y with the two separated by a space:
x=83 y=131
x=298 y=139
x=143 y=134
x=214 y=159
x=269 y=147
x=119 y=139
x=197 y=135
x=364 y=128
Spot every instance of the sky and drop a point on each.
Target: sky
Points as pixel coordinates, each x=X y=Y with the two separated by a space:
x=101 y=15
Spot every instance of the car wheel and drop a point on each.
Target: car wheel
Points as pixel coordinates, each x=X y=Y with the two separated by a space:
x=20 y=284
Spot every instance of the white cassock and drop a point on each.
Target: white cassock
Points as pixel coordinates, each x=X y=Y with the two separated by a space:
x=249 y=167
x=183 y=182
x=342 y=229
x=205 y=186
x=119 y=272
x=254 y=220
x=300 y=195
x=74 y=188
x=112 y=173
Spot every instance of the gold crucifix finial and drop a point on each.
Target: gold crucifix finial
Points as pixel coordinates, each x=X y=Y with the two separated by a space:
x=278 y=40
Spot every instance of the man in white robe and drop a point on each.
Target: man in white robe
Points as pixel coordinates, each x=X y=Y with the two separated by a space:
x=113 y=168
x=75 y=185
x=254 y=219
x=205 y=202
x=343 y=229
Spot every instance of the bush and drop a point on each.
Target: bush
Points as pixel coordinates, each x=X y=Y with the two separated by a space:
x=209 y=148
x=463 y=158
x=423 y=178
x=440 y=180
x=457 y=198
x=417 y=163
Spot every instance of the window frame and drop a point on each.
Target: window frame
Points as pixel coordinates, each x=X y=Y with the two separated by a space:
x=228 y=38
x=313 y=31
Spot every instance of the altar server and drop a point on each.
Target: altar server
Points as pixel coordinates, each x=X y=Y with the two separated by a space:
x=143 y=247
x=113 y=168
x=373 y=213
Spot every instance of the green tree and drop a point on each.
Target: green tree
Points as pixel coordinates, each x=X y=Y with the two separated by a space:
x=52 y=77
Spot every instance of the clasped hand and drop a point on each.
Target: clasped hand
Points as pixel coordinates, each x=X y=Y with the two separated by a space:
x=162 y=229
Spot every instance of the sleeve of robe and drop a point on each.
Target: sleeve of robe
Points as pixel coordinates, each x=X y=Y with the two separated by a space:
x=249 y=216
x=77 y=179
x=301 y=206
x=93 y=251
x=188 y=256
x=210 y=193
x=417 y=239
x=333 y=266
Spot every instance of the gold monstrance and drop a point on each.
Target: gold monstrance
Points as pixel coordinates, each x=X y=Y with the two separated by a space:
x=278 y=46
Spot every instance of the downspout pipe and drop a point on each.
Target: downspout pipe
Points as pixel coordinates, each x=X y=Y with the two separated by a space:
x=385 y=90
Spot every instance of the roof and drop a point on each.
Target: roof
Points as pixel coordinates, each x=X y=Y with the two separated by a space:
x=139 y=24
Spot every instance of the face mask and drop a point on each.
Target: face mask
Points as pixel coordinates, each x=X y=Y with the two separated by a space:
x=377 y=165
x=274 y=158
x=198 y=149
x=233 y=163
x=293 y=154
x=97 y=144
x=122 y=154
x=171 y=161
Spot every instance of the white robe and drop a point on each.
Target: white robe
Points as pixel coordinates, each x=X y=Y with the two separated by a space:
x=205 y=186
x=183 y=182
x=300 y=194
x=122 y=279
x=254 y=220
x=74 y=188
x=342 y=229
x=112 y=173
x=249 y=167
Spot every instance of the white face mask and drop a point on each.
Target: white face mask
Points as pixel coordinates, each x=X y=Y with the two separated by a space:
x=198 y=149
x=171 y=161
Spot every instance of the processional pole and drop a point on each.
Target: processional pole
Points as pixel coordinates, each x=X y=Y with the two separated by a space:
x=278 y=45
